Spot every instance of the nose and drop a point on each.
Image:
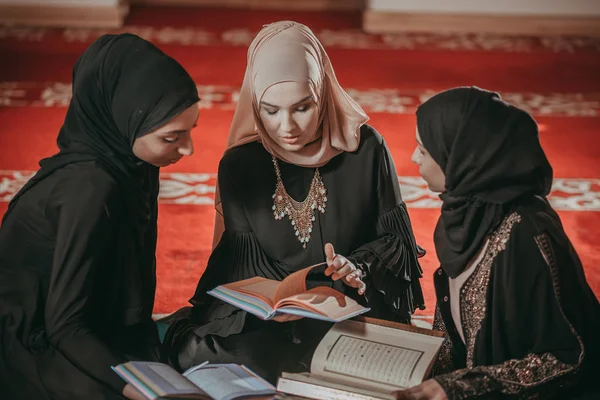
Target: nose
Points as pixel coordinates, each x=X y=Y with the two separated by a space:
x=287 y=123
x=186 y=147
x=415 y=158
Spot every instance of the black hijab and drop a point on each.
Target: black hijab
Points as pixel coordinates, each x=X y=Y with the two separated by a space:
x=491 y=155
x=123 y=88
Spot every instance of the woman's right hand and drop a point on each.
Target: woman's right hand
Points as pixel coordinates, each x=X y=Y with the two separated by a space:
x=339 y=267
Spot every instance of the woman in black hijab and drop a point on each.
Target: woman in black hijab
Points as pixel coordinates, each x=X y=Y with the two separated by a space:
x=520 y=318
x=77 y=244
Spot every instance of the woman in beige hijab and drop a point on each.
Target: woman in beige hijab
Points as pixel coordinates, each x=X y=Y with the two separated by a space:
x=303 y=178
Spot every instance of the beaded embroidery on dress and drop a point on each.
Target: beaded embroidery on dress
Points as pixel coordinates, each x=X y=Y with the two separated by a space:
x=301 y=214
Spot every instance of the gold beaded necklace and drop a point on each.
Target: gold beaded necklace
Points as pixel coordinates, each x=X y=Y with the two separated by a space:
x=301 y=214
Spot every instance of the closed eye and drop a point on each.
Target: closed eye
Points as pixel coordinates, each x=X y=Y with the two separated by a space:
x=269 y=108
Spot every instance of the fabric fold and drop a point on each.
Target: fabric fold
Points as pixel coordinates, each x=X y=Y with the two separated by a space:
x=391 y=263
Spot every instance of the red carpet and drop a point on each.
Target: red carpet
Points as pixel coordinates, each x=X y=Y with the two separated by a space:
x=555 y=78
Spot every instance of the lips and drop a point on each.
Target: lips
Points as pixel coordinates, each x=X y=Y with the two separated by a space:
x=290 y=139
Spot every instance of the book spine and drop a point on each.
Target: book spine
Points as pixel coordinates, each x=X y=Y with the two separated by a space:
x=318 y=392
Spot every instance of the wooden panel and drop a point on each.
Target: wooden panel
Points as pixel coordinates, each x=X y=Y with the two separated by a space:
x=64 y=16
x=318 y=5
x=390 y=22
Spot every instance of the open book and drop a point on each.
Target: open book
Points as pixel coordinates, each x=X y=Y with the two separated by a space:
x=205 y=381
x=267 y=298
x=365 y=359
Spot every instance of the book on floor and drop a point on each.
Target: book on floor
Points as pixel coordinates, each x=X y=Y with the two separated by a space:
x=155 y=380
x=366 y=359
x=267 y=298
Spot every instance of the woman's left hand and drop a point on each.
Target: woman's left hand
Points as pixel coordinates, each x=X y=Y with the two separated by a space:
x=339 y=267
x=428 y=390
x=129 y=392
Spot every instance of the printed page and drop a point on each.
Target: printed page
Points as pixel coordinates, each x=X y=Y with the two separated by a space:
x=228 y=381
x=293 y=284
x=312 y=386
x=374 y=357
x=324 y=301
x=373 y=361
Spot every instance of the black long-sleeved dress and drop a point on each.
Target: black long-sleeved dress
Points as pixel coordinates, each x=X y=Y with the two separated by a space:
x=529 y=318
x=76 y=289
x=365 y=220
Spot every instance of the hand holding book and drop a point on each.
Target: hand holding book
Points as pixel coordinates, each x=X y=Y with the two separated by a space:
x=430 y=389
x=131 y=393
x=339 y=267
x=286 y=318
x=269 y=299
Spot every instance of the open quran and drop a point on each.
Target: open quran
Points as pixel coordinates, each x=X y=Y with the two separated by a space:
x=366 y=358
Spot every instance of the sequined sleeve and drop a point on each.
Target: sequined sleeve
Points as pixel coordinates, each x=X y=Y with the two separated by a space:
x=536 y=375
x=515 y=378
x=444 y=362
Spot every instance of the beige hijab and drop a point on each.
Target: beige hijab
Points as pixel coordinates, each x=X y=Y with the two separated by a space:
x=287 y=51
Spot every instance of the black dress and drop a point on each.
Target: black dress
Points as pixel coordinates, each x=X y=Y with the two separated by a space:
x=365 y=220
x=68 y=307
x=529 y=318
x=78 y=241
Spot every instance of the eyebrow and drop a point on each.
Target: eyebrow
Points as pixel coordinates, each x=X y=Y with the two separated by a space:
x=176 y=132
x=179 y=131
x=264 y=103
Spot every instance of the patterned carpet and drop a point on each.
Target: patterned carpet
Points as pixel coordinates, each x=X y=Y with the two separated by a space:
x=555 y=78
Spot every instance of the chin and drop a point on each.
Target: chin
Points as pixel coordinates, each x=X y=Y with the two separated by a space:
x=292 y=147
x=431 y=187
x=159 y=164
x=435 y=189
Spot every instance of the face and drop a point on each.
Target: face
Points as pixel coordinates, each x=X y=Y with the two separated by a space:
x=428 y=168
x=167 y=144
x=289 y=115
